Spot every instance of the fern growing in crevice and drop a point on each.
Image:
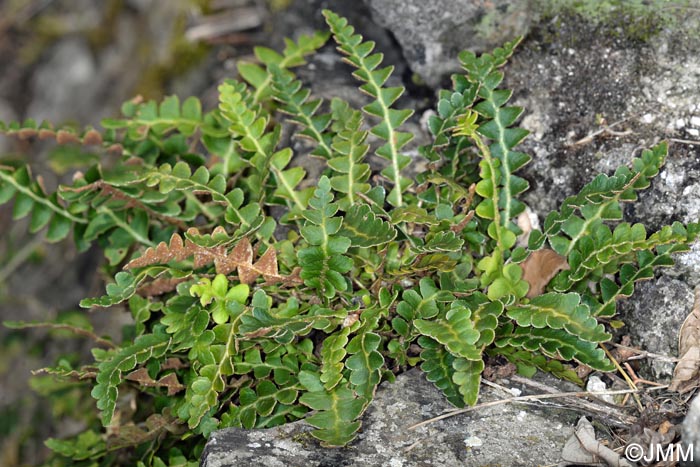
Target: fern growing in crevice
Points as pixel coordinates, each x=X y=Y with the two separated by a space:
x=240 y=321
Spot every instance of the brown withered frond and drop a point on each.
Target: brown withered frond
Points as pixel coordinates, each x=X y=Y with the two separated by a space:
x=239 y=259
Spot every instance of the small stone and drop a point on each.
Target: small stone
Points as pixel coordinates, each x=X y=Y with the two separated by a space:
x=695 y=121
x=473 y=442
x=647 y=118
x=595 y=384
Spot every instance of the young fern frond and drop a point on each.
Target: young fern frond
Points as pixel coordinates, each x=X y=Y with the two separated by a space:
x=30 y=197
x=349 y=142
x=144 y=348
x=323 y=263
x=358 y=54
x=598 y=201
x=295 y=102
x=293 y=55
x=152 y=119
x=248 y=124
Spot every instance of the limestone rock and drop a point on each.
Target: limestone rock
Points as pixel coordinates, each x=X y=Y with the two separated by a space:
x=432 y=33
x=691 y=432
x=505 y=434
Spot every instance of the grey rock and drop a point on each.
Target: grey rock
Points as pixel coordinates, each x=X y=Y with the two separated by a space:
x=498 y=435
x=654 y=315
x=573 y=78
x=432 y=34
x=566 y=83
x=64 y=85
x=691 y=432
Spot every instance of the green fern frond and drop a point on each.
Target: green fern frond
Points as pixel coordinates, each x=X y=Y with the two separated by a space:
x=31 y=198
x=358 y=55
x=365 y=361
x=556 y=343
x=144 y=348
x=467 y=377
x=323 y=263
x=349 y=142
x=337 y=412
x=151 y=118
x=332 y=355
x=293 y=55
x=560 y=311
x=302 y=111
x=437 y=366
x=454 y=330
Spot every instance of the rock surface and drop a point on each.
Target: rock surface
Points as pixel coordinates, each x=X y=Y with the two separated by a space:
x=507 y=434
x=572 y=83
x=691 y=432
x=432 y=34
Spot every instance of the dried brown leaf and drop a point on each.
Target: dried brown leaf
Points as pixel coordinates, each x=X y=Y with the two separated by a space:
x=140 y=376
x=495 y=372
x=469 y=213
x=540 y=267
x=242 y=253
x=46 y=134
x=171 y=382
x=583 y=448
x=293 y=279
x=115 y=149
x=26 y=133
x=685 y=375
x=162 y=253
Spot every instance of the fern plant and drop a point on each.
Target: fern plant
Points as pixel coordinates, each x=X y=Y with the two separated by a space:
x=238 y=322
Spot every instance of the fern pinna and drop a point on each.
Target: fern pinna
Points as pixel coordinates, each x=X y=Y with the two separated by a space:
x=259 y=296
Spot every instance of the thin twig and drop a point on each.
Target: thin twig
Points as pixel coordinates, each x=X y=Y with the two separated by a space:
x=625 y=376
x=605 y=129
x=637 y=379
x=535 y=397
x=684 y=141
x=645 y=354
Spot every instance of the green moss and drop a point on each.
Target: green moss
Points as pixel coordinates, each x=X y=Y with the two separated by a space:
x=633 y=19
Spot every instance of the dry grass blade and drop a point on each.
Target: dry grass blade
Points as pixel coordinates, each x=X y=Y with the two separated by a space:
x=533 y=397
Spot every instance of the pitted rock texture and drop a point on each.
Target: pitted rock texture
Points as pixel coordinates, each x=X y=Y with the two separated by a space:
x=513 y=435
